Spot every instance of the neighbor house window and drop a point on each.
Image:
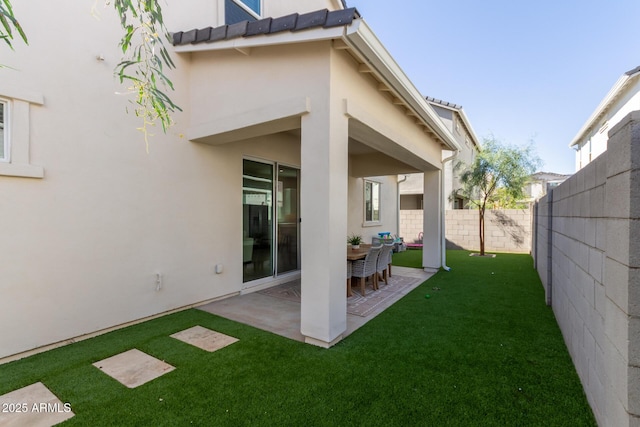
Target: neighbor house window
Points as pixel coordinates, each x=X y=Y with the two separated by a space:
x=371 y=202
x=4 y=138
x=242 y=10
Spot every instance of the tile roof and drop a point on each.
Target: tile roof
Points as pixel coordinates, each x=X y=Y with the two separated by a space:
x=295 y=22
x=443 y=103
x=632 y=72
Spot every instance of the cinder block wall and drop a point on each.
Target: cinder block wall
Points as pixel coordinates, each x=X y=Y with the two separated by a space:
x=587 y=253
x=410 y=224
x=507 y=230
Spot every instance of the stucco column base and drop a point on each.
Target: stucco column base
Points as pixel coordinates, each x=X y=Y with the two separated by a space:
x=323 y=344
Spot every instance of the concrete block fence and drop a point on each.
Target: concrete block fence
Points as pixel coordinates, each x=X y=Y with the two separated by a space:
x=505 y=230
x=586 y=247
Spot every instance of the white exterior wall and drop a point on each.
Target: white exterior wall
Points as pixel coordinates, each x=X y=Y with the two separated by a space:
x=388 y=207
x=82 y=246
x=594 y=142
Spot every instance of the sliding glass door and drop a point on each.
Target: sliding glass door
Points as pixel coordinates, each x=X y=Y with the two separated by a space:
x=288 y=223
x=269 y=247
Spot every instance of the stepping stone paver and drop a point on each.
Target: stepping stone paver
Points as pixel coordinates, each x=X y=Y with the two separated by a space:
x=204 y=338
x=35 y=406
x=133 y=368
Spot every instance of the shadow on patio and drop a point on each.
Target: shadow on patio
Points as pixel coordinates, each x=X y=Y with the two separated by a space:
x=277 y=309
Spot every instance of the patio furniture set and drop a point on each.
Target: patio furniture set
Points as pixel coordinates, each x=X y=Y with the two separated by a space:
x=369 y=261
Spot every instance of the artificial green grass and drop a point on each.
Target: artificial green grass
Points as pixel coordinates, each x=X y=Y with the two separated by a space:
x=482 y=350
x=409 y=258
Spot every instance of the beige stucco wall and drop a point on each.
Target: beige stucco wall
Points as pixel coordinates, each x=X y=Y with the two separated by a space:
x=594 y=142
x=388 y=206
x=82 y=247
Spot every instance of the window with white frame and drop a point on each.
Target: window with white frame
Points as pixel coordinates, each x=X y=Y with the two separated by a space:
x=4 y=138
x=15 y=136
x=242 y=10
x=371 y=202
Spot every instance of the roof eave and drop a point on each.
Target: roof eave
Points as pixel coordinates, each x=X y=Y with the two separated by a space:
x=285 y=37
x=472 y=133
x=606 y=102
x=365 y=44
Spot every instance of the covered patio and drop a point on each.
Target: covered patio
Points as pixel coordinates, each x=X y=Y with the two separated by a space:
x=281 y=316
x=331 y=102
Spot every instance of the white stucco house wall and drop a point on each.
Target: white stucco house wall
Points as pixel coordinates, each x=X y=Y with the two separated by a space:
x=623 y=98
x=457 y=122
x=292 y=136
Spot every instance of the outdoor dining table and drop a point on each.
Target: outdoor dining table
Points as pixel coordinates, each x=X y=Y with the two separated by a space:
x=356 y=254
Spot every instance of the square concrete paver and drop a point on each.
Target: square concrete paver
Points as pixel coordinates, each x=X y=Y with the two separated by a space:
x=133 y=368
x=34 y=405
x=204 y=338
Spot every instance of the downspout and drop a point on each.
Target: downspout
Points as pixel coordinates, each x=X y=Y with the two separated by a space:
x=443 y=212
x=398 y=192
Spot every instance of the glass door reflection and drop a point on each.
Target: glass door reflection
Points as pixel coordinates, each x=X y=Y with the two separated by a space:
x=257 y=220
x=288 y=219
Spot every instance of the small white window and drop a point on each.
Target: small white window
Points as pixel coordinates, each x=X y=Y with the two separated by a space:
x=15 y=135
x=4 y=131
x=371 y=202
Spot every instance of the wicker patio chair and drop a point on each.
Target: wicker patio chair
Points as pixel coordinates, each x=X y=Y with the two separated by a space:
x=384 y=262
x=367 y=267
x=349 y=273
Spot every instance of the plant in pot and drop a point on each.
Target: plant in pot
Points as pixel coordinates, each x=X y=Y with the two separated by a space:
x=354 y=240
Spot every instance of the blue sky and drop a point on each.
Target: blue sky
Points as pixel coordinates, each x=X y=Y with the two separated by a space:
x=522 y=70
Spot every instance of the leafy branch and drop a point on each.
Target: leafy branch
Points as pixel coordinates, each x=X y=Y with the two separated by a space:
x=9 y=24
x=144 y=61
x=143 y=64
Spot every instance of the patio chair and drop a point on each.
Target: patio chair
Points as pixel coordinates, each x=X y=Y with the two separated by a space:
x=349 y=272
x=367 y=267
x=384 y=262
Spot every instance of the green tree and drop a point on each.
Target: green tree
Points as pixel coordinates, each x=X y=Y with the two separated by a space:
x=144 y=61
x=498 y=171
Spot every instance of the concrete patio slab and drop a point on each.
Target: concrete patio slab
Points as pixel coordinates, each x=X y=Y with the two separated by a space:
x=204 y=338
x=282 y=316
x=133 y=368
x=35 y=406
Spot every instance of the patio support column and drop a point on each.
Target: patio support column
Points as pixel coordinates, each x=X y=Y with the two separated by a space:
x=324 y=184
x=432 y=205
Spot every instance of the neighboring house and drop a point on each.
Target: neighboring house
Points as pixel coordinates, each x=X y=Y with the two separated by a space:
x=411 y=186
x=292 y=136
x=623 y=98
x=540 y=182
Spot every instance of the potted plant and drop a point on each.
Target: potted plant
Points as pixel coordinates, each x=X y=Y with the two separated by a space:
x=354 y=240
